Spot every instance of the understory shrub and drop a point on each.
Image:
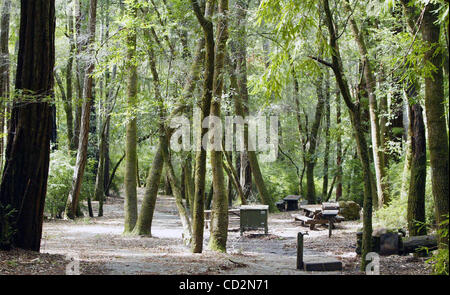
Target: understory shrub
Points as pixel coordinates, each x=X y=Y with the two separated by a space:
x=60 y=182
x=7 y=230
x=394 y=215
x=439 y=260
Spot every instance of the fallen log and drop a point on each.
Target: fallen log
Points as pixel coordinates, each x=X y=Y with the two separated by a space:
x=414 y=244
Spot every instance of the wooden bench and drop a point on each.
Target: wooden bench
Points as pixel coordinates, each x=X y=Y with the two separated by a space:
x=233 y=214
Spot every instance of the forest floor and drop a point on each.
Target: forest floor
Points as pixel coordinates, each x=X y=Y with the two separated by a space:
x=99 y=246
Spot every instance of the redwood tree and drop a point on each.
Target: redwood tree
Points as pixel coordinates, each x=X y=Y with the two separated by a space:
x=24 y=182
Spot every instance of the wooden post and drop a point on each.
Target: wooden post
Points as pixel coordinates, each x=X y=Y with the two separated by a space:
x=330 y=227
x=300 y=250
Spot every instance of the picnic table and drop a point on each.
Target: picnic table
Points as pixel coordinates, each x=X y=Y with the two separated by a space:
x=326 y=213
x=231 y=213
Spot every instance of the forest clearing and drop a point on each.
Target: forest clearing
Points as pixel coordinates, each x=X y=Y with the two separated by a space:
x=224 y=137
x=102 y=249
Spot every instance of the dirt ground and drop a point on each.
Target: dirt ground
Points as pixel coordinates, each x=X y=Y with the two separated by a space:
x=100 y=247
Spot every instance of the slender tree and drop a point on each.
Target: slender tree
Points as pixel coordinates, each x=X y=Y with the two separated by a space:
x=69 y=70
x=327 y=136
x=241 y=103
x=339 y=171
x=73 y=198
x=200 y=159
x=4 y=70
x=354 y=108
x=435 y=113
x=130 y=178
x=219 y=218
x=370 y=83
x=311 y=157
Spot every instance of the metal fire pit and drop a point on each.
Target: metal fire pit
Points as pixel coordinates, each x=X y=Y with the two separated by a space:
x=254 y=217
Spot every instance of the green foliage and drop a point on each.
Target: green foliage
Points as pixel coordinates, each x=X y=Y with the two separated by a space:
x=281 y=180
x=439 y=260
x=7 y=228
x=60 y=182
x=395 y=214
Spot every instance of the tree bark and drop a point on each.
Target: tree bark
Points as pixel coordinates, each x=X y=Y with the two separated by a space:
x=416 y=195
x=145 y=218
x=130 y=179
x=435 y=113
x=80 y=44
x=327 y=137
x=73 y=198
x=362 y=149
x=24 y=182
x=380 y=173
x=241 y=104
x=339 y=171
x=219 y=214
x=200 y=159
x=69 y=92
x=4 y=70
x=185 y=221
x=312 y=138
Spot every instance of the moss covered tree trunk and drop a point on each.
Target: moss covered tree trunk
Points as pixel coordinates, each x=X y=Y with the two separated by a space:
x=24 y=182
x=130 y=179
x=355 y=116
x=435 y=113
x=145 y=218
x=219 y=216
x=189 y=182
x=370 y=83
x=200 y=158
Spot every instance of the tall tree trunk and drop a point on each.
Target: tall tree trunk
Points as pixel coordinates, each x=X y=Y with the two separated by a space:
x=312 y=137
x=69 y=92
x=200 y=158
x=302 y=131
x=327 y=137
x=24 y=182
x=4 y=70
x=130 y=180
x=145 y=218
x=80 y=44
x=189 y=182
x=339 y=171
x=435 y=113
x=362 y=149
x=416 y=195
x=73 y=198
x=241 y=103
x=219 y=216
x=380 y=173
x=233 y=176
x=415 y=155
x=100 y=177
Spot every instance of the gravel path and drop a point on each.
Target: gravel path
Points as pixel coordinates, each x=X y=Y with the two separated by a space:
x=100 y=247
